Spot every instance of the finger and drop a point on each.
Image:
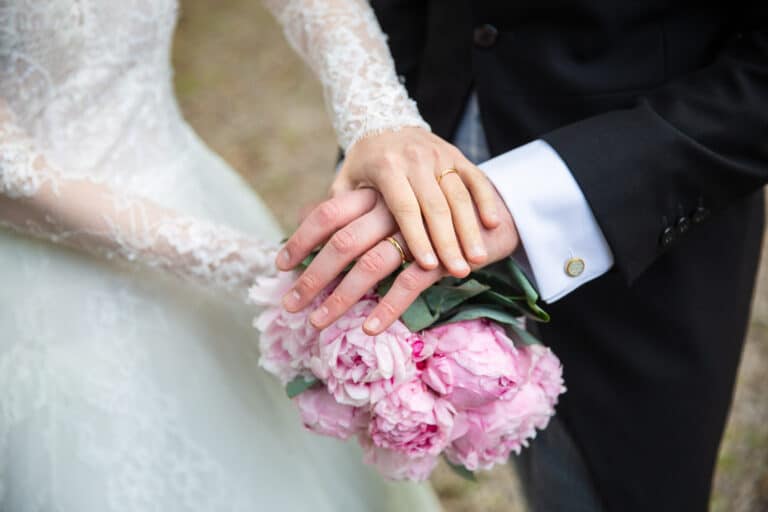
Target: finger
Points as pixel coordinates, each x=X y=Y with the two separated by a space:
x=324 y=220
x=305 y=210
x=406 y=288
x=343 y=247
x=340 y=185
x=374 y=266
x=465 y=218
x=483 y=192
x=403 y=204
x=437 y=213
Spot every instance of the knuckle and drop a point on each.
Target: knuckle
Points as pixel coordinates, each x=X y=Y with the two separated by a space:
x=409 y=282
x=336 y=301
x=327 y=212
x=437 y=206
x=415 y=153
x=461 y=199
x=434 y=153
x=388 y=308
x=387 y=161
x=372 y=261
x=343 y=241
x=308 y=283
x=405 y=209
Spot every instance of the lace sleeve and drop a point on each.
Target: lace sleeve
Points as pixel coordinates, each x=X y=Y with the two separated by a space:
x=342 y=42
x=36 y=199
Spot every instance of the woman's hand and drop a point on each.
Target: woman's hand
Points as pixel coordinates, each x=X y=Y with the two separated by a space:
x=424 y=179
x=356 y=225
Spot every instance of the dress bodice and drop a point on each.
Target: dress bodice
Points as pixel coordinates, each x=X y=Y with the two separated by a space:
x=91 y=81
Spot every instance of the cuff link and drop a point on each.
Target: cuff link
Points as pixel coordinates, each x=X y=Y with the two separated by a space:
x=574 y=267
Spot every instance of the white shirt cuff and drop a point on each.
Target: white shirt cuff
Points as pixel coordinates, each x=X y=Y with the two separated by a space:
x=556 y=225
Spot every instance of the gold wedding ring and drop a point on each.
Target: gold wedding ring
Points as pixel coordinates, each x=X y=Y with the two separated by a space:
x=399 y=248
x=445 y=173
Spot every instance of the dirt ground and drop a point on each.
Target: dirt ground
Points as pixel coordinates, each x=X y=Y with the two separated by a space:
x=256 y=104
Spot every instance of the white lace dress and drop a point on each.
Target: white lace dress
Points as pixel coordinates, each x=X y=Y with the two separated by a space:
x=128 y=365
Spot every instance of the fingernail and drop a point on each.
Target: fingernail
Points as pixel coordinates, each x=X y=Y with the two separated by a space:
x=478 y=251
x=460 y=265
x=318 y=315
x=430 y=260
x=372 y=324
x=284 y=257
x=291 y=299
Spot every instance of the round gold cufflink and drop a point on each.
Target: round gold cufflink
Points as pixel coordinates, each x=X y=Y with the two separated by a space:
x=574 y=267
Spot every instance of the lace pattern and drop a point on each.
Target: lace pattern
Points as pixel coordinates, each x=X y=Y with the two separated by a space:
x=342 y=42
x=92 y=216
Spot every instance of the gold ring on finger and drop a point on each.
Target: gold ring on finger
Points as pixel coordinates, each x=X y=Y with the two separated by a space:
x=399 y=248
x=445 y=173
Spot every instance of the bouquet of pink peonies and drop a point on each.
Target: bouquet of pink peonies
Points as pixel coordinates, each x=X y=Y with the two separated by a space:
x=457 y=376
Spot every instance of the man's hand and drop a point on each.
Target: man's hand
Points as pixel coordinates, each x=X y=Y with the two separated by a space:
x=424 y=179
x=355 y=225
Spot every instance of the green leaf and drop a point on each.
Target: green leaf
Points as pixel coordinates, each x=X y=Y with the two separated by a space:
x=384 y=285
x=418 y=315
x=497 y=315
x=522 y=280
x=461 y=471
x=530 y=292
x=523 y=336
x=441 y=298
x=305 y=263
x=299 y=385
x=475 y=312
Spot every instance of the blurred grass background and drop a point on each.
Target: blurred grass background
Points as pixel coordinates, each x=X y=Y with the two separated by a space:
x=256 y=104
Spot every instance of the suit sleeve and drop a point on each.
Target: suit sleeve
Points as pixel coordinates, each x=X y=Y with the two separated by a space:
x=681 y=153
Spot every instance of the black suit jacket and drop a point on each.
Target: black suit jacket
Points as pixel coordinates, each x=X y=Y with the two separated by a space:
x=658 y=107
x=660 y=110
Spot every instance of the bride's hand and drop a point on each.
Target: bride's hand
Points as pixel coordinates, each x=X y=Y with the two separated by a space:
x=422 y=178
x=358 y=224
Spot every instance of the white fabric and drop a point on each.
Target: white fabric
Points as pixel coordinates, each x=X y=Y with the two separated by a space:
x=342 y=42
x=122 y=388
x=553 y=218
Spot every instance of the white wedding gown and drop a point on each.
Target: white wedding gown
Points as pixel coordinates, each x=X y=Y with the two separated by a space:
x=128 y=364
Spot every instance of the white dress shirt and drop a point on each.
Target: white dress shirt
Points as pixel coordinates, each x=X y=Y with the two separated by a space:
x=557 y=228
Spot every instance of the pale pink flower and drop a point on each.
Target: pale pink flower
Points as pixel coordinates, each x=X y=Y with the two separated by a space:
x=322 y=414
x=474 y=363
x=501 y=427
x=287 y=339
x=395 y=465
x=546 y=372
x=412 y=420
x=360 y=369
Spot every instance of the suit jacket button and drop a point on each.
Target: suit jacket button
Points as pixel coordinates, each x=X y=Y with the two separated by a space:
x=683 y=225
x=667 y=237
x=485 y=35
x=700 y=214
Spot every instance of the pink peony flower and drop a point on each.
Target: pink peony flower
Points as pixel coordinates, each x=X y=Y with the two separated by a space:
x=412 y=420
x=546 y=372
x=395 y=465
x=474 y=363
x=360 y=369
x=322 y=414
x=501 y=427
x=287 y=339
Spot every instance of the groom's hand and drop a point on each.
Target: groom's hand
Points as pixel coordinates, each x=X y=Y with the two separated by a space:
x=355 y=225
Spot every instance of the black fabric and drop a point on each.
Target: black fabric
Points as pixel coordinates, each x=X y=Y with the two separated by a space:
x=660 y=110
